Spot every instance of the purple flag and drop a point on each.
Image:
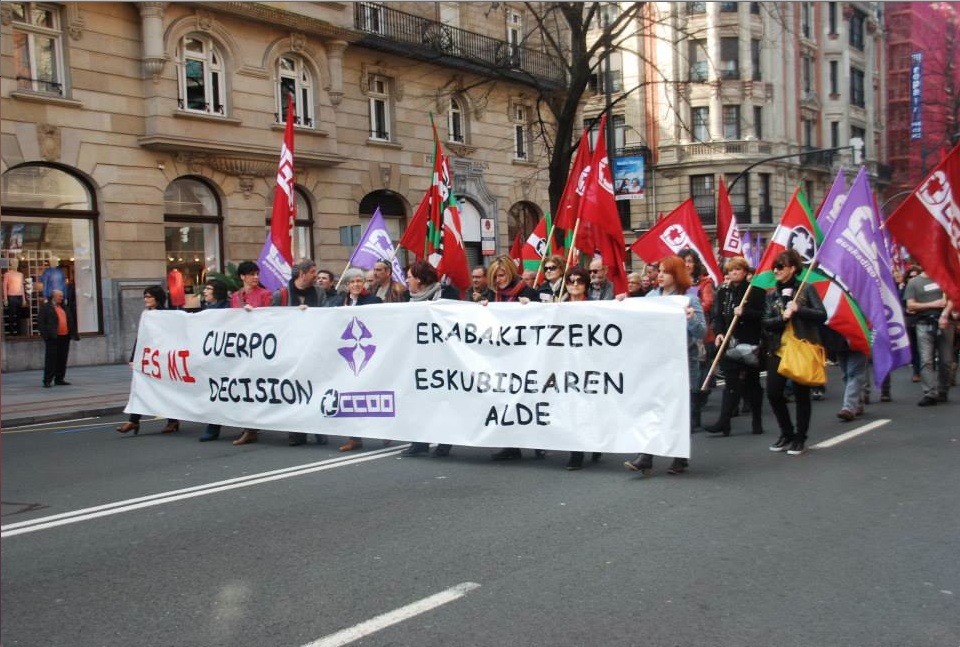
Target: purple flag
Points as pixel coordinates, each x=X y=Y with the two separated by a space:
x=274 y=269
x=855 y=253
x=746 y=243
x=374 y=245
x=832 y=204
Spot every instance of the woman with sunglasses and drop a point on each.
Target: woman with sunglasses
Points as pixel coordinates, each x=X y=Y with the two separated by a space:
x=552 y=279
x=675 y=280
x=576 y=284
x=806 y=311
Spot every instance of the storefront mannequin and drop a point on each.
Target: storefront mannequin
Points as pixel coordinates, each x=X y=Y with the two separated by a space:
x=53 y=279
x=13 y=296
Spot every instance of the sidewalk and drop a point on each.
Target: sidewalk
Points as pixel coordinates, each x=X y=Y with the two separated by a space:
x=93 y=391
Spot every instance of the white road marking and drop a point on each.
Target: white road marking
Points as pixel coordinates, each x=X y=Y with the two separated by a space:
x=85 y=514
x=853 y=433
x=24 y=428
x=373 y=625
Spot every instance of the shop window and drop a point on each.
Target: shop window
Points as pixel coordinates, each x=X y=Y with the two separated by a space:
x=202 y=82
x=192 y=234
x=301 y=239
x=48 y=242
x=294 y=78
x=37 y=47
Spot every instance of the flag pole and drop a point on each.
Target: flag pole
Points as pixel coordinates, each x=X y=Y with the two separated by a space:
x=563 y=284
x=340 y=278
x=726 y=340
x=543 y=259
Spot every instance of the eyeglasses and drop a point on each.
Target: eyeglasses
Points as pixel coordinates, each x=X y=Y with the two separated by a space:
x=595 y=271
x=550 y=268
x=778 y=266
x=574 y=280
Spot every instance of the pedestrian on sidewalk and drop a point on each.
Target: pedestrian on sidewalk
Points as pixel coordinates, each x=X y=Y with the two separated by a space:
x=58 y=326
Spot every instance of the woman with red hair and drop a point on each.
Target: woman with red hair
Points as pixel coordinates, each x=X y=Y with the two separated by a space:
x=674 y=280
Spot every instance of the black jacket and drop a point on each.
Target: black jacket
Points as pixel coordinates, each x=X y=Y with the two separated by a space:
x=806 y=321
x=729 y=297
x=48 y=323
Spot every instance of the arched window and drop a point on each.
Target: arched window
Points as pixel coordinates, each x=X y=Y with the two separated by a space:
x=48 y=242
x=301 y=243
x=294 y=78
x=192 y=223
x=456 y=123
x=394 y=211
x=201 y=77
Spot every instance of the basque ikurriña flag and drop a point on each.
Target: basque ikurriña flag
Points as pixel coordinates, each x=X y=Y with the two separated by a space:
x=539 y=245
x=928 y=225
x=276 y=257
x=435 y=232
x=798 y=230
x=855 y=254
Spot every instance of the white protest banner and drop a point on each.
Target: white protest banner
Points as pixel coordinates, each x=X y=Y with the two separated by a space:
x=592 y=376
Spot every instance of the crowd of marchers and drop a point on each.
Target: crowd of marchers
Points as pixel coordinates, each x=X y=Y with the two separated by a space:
x=754 y=320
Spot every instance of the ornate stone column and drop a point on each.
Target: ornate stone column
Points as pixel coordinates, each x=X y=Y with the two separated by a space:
x=151 y=22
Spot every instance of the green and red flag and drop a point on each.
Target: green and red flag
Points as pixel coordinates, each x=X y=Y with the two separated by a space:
x=435 y=232
x=798 y=230
x=539 y=245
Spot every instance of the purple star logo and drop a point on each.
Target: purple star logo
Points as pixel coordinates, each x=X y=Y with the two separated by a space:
x=356 y=352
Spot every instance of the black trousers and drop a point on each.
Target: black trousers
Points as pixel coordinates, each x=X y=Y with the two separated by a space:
x=778 y=401
x=55 y=359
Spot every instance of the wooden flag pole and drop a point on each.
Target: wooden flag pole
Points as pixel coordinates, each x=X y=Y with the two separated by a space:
x=726 y=340
x=563 y=284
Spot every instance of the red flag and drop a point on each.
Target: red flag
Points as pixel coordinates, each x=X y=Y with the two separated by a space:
x=928 y=224
x=569 y=209
x=284 y=213
x=680 y=229
x=435 y=227
x=516 y=250
x=728 y=233
x=598 y=208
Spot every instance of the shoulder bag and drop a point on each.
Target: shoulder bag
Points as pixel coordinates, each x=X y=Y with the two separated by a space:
x=802 y=361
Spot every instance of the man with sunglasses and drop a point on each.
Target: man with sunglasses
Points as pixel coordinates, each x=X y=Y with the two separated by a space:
x=601 y=289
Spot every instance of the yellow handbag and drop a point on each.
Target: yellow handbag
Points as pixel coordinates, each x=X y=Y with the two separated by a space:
x=802 y=361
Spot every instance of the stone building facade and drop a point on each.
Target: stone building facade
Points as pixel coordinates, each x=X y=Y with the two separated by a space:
x=138 y=139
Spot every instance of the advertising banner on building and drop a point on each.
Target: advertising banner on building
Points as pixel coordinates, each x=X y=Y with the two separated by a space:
x=916 y=95
x=628 y=178
x=588 y=376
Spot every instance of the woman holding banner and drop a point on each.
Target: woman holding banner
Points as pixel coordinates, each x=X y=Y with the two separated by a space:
x=423 y=284
x=552 y=278
x=675 y=280
x=154 y=298
x=356 y=295
x=578 y=278
x=503 y=278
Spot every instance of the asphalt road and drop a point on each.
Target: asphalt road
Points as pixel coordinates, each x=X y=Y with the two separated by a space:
x=853 y=544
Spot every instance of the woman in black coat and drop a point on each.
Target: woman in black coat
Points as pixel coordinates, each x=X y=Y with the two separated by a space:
x=806 y=311
x=741 y=375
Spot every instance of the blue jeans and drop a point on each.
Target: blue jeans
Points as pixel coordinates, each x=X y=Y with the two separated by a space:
x=936 y=353
x=853 y=364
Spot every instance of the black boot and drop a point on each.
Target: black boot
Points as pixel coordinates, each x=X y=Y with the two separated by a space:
x=575 y=462
x=756 y=411
x=505 y=454
x=696 y=402
x=642 y=463
x=727 y=403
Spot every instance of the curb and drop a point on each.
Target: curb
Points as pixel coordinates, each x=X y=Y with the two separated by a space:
x=57 y=416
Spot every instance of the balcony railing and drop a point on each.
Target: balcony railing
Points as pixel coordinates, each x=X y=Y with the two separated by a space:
x=403 y=33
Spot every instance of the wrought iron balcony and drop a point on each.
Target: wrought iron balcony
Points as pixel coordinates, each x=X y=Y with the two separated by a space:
x=398 y=32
